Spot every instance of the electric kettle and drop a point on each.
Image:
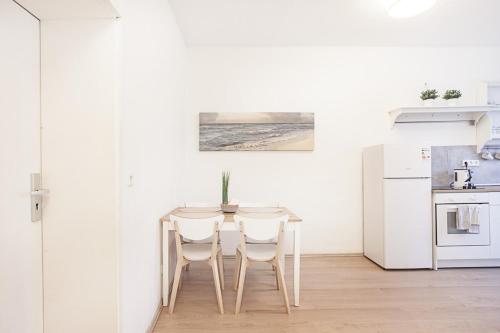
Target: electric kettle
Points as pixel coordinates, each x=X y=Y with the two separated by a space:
x=462 y=178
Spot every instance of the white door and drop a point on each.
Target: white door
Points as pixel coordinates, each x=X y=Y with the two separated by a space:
x=20 y=239
x=408 y=223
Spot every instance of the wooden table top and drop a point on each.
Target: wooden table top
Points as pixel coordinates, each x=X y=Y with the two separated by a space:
x=202 y=212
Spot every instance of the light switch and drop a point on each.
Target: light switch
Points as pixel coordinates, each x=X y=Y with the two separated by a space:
x=471 y=163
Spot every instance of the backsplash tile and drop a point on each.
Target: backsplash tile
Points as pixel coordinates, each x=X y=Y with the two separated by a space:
x=447 y=158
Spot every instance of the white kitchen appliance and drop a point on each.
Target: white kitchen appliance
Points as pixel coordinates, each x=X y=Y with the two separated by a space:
x=447 y=233
x=461 y=178
x=397 y=199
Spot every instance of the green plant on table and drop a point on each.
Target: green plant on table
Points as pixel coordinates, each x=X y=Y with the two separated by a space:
x=429 y=94
x=225 y=187
x=452 y=94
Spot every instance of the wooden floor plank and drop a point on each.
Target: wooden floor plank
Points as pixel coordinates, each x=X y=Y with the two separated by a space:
x=342 y=294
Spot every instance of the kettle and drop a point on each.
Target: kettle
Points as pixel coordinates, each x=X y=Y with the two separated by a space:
x=462 y=178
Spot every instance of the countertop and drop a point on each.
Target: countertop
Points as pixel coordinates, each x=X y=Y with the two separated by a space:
x=479 y=189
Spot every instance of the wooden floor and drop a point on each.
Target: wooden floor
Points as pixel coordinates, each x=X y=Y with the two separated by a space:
x=342 y=294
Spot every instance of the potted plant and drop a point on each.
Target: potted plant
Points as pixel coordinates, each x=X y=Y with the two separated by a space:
x=428 y=96
x=452 y=96
x=225 y=206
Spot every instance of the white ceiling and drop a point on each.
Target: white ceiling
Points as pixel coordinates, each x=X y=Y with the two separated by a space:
x=335 y=22
x=70 y=9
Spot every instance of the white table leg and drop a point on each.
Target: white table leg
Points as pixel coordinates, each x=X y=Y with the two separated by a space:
x=296 y=264
x=165 y=256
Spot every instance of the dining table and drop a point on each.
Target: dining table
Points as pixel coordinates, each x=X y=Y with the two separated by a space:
x=168 y=241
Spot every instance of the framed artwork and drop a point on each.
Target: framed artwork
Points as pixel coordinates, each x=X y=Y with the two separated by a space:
x=256 y=131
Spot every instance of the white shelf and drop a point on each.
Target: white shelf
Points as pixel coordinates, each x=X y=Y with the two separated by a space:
x=435 y=114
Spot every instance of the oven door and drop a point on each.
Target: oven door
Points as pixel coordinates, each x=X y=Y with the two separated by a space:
x=446 y=227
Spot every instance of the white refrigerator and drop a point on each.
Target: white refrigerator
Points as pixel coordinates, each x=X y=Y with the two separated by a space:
x=397 y=202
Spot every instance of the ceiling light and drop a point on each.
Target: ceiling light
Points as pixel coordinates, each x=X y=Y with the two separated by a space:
x=408 y=8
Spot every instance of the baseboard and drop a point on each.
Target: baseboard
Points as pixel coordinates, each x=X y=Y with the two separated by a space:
x=468 y=263
x=313 y=255
x=155 y=318
x=323 y=255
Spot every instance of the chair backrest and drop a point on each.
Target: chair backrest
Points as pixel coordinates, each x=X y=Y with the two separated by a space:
x=198 y=205
x=196 y=229
x=258 y=204
x=261 y=229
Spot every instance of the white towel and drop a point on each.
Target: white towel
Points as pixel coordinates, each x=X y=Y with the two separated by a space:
x=463 y=217
x=474 y=219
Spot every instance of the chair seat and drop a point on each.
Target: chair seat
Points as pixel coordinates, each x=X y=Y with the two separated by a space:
x=255 y=241
x=200 y=241
x=260 y=252
x=197 y=251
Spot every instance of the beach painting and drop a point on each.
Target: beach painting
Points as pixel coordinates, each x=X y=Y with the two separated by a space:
x=256 y=131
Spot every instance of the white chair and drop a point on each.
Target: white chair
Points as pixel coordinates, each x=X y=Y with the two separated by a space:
x=259 y=229
x=198 y=229
x=259 y=205
x=197 y=205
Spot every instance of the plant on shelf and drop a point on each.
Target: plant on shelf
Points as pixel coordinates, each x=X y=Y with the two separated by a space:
x=225 y=187
x=428 y=96
x=452 y=96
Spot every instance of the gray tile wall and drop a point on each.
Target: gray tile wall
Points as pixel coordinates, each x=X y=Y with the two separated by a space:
x=447 y=158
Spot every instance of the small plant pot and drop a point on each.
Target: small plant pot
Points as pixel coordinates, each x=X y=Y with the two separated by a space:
x=452 y=102
x=428 y=102
x=226 y=208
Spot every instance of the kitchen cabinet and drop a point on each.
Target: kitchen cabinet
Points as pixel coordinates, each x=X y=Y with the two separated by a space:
x=495 y=224
x=481 y=249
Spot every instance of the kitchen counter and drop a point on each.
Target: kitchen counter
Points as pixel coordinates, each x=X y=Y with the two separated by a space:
x=479 y=189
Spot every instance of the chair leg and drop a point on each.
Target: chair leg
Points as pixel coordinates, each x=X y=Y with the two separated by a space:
x=175 y=287
x=181 y=279
x=277 y=277
x=220 y=264
x=217 y=285
x=237 y=268
x=241 y=283
x=282 y=285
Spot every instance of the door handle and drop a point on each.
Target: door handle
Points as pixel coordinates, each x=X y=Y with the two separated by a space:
x=40 y=192
x=37 y=194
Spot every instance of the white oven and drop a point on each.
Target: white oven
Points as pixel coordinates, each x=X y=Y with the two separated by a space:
x=446 y=211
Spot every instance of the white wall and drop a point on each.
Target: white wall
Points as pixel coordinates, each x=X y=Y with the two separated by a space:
x=151 y=64
x=79 y=168
x=350 y=89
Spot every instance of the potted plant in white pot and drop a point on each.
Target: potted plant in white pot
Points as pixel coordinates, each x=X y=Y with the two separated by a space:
x=428 y=96
x=452 y=96
x=225 y=206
